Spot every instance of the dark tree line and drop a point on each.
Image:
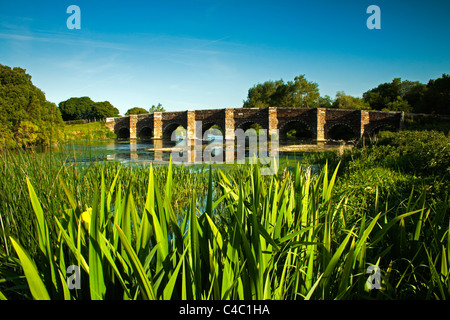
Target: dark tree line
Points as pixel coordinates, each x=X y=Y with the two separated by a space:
x=398 y=95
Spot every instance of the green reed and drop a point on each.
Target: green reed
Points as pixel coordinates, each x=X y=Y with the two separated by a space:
x=234 y=234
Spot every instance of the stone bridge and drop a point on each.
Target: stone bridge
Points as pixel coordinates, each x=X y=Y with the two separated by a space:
x=320 y=124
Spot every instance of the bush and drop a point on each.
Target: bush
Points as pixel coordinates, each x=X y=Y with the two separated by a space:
x=392 y=164
x=420 y=152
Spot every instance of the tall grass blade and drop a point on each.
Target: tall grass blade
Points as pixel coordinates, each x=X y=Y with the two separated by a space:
x=96 y=279
x=44 y=238
x=35 y=283
x=141 y=276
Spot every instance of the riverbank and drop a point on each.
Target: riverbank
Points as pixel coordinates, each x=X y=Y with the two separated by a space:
x=87 y=132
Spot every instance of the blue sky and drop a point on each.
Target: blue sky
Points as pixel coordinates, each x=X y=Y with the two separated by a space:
x=198 y=54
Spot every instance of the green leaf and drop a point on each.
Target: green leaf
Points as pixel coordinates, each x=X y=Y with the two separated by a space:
x=161 y=240
x=111 y=191
x=69 y=194
x=435 y=275
x=66 y=290
x=168 y=289
x=194 y=249
x=107 y=249
x=143 y=280
x=380 y=234
x=209 y=201
x=145 y=230
x=96 y=279
x=34 y=280
x=216 y=233
x=72 y=246
x=43 y=236
x=42 y=227
x=330 y=267
x=313 y=288
x=2 y=296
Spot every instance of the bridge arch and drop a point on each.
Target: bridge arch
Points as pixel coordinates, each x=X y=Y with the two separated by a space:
x=341 y=131
x=212 y=128
x=245 y=125
x=210 y=124
x=123 y=133
x=382 y=127
x=170 y=128
x=303 y=129
x=145 y=133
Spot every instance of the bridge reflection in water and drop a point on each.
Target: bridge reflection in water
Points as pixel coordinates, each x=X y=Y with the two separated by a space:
x=187 y=151
x=217 y=151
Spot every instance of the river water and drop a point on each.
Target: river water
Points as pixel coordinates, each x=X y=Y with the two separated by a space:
x=126 y=151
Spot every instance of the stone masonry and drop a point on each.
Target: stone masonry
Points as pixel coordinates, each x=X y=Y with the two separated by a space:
x=276 y=120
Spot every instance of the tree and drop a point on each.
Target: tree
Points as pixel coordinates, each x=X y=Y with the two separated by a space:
x=386 y=96
x=103 y=110
x=299 y=93
x=436 y=99
x=136 y=110
x=344 y=101
x=398 y=105
x=84 y=108
x=26 y=117
x=158 y=108
x=76 y=108
x=260 y=95
x=325 y=102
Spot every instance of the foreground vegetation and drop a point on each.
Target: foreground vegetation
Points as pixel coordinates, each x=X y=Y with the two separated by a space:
x=171 y=232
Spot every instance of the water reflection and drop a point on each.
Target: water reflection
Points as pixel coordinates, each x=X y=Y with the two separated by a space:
x=213 y=149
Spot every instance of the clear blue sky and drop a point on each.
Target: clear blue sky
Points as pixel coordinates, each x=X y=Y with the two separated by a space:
x=197 y=54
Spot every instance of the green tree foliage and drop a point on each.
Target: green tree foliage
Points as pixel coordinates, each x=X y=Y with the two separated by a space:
x=398 y=104
x=136 y=110
x=85 y=109
x=261 y=95
x=76 y=108
x=105 y=109
x=408 y=96
x=325 y=102
x=397 y=95
x=26 y=117
x=344 y=101
x=436 y=100
x=158 y=108
x=299 y=93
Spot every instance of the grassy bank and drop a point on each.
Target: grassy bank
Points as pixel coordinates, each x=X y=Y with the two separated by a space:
x=230 y=233
x=87 y=132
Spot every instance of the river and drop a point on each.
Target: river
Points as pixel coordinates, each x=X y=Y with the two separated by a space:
x=131 y=151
